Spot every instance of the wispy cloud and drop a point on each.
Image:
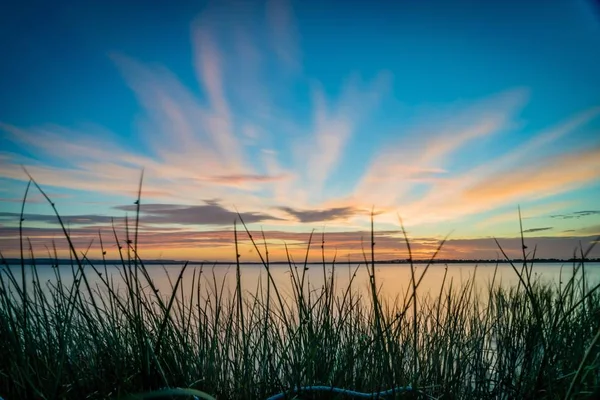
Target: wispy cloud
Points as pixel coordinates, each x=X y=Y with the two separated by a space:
x=531 y=230
x=549 y=177
x=334 y=125
x=245 y=178
x=193 y=161
x=576 y=214
x=199 y=142
x=498 y=183
x=529 y=212
x=423 y=155
x=89 y=219
x=308 y=216
x=210 y=213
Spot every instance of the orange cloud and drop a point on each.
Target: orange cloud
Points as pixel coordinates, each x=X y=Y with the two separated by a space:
x=552 y=176
x=421 y=156
x=513 y=177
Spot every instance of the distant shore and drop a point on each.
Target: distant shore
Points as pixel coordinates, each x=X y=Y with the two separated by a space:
x=50 y=261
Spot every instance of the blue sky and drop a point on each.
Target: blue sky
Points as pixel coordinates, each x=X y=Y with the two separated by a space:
x=301 y=115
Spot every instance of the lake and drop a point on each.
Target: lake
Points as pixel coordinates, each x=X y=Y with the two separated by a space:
x=392 y=279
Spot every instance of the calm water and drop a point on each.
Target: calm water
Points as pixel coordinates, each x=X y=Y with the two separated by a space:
x=392 y=279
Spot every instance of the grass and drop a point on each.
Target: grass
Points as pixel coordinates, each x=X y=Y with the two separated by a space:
x=77 y=340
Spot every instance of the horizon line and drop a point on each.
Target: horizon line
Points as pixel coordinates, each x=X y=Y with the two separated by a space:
x=17 y=261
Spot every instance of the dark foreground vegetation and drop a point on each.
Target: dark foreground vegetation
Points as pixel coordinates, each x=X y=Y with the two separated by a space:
x=79 y=341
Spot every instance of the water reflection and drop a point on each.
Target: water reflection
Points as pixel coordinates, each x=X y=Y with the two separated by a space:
x=393 y=280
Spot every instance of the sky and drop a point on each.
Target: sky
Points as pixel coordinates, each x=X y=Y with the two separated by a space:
x=301 y=116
